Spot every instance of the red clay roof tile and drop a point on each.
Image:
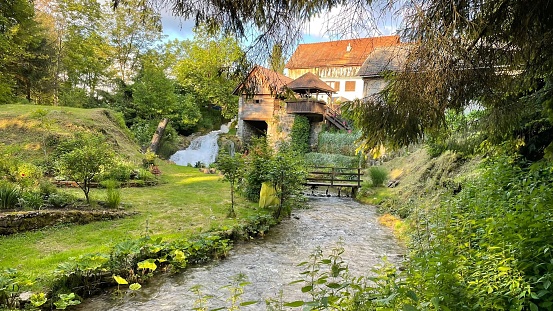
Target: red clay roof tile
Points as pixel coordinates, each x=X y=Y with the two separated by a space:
x=336 y=54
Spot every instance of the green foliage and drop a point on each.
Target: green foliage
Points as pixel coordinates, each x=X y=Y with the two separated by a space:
x=24 y=51
x=235 y=290
x=277 y=61
x=9 y=195
x=118 y=171
x=325 y=280
x=287 y=173
x=113 y=194
x=461 y=135
x=38 y=300
x=31 y=200
x=378 y=175
x=207 y=66
x=47 y=188
x=331 y=159
x=232 y=168
x=143 y=130
x=485 y=247
x=66 y=300
x=10 y=288
x=83 y=158
x=14 y=169
x=256 y=170
x=338 y=143
x=299 y=134
x=60 y=199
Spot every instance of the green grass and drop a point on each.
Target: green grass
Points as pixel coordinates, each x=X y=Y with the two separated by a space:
x=22 y=126
x=186 y=203
x=374 y=195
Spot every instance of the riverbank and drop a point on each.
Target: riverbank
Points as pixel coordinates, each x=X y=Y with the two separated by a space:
x=271 y=264
x=186 y=204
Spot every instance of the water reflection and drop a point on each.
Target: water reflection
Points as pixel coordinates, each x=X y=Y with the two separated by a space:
x=271 y=263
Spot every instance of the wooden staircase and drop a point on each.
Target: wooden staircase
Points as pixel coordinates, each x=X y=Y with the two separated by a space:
x=334 y=118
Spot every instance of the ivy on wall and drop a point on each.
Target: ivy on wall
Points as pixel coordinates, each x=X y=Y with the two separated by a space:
x=300 y=134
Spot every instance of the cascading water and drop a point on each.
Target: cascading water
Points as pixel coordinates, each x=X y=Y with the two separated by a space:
x=202 y=149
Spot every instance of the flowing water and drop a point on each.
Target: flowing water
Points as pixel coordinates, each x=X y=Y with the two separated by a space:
x=270 y=263
x=202 y=149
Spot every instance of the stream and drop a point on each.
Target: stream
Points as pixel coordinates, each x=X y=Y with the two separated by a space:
x=270 y=263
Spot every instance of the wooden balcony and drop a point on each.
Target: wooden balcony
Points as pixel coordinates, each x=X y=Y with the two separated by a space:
x=306 y=106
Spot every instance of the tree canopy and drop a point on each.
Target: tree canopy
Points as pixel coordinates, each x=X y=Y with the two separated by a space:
x=493 y=55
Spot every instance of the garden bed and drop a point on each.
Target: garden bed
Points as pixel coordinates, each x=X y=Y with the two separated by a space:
x=17 y=222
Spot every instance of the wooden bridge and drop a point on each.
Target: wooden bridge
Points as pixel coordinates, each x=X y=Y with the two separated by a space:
x=336 y=177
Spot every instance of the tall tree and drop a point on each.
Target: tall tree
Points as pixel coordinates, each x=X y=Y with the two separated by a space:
x=211 y=67
x=81 y=63
x=131 y=32
x=276 y=59
x=156 y=97
x=23 y=48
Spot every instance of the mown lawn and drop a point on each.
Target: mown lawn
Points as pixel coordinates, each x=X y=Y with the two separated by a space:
x=187 y=202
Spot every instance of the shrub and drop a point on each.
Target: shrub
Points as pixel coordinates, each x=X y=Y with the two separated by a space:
x=338 y=143
x=46 y=188
x=257 y=168
x=145 y=175
x=113 y=194
x=120 y=171
x=61 y=200
x=9 y=195
x=31 y=200
x=462 y=135
x=378 y=175
x=27 y=174
x=286 y=172
x=334 y=160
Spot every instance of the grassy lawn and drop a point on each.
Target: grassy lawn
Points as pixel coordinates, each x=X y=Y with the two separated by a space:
x=187 y=202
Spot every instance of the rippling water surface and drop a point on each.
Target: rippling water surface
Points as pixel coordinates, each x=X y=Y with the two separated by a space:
x=270 y=264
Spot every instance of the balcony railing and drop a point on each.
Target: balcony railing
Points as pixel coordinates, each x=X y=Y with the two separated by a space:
x=306 y=106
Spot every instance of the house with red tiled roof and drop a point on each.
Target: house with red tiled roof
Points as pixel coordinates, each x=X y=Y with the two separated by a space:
x=337 y=62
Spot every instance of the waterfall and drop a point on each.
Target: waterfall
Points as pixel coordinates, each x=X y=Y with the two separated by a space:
x=202 y=149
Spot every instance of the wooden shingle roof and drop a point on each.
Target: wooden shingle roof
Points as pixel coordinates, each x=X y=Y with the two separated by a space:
x=382 y=59
x=260 y=76
x=339 y=53
x=309 y=83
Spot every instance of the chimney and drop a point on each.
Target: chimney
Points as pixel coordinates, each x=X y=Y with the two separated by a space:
x=348 y=48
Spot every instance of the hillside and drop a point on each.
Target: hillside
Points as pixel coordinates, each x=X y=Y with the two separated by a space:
x=32 y=130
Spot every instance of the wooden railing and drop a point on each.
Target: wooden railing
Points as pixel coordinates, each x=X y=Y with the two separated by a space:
x=334 y=177
x=335 y=119
x=306 y=106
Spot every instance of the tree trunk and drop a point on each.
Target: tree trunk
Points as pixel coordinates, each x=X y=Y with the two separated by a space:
x=158 y=135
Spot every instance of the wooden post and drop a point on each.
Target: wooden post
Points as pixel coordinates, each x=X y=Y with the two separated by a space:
x=158 y=134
